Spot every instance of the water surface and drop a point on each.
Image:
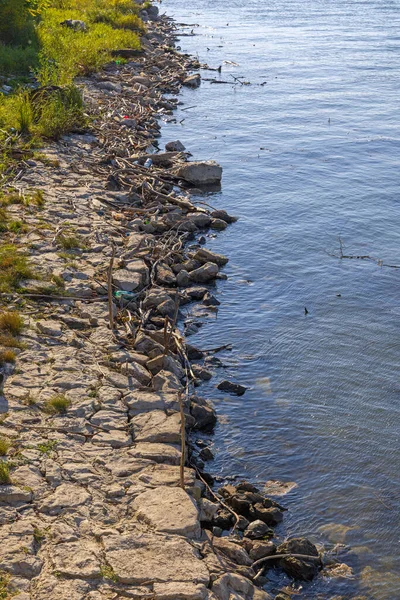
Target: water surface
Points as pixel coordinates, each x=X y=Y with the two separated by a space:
x=310 y=156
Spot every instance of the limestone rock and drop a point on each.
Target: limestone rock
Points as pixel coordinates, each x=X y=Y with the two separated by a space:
x=75 y=560
x=232 y=550
x=12 y=494
x=168 y=509
x=257 y=529
x=159 y=453
x=231 y=585
x=156 y=426
x=52 y=328
x=65 y=496
x=200 y=173
x=128 y=281
x=180 y=591
x=135 y=559
x=113 y=438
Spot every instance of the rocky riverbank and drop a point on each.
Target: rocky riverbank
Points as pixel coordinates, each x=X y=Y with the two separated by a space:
x=96 y=501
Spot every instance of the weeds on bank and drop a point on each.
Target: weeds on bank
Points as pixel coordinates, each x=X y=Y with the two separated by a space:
x=32 y=40
x=5 y=445
x=14 y=268
x=6 y=593
x=108 y=573
x=47 y=447
x=7 y=356
x=5 y=477
x=11 y=322
x=58 y=404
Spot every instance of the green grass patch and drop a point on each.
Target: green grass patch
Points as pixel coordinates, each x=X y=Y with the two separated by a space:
x=7 y=356
x=14 y=268
x=5 y=477
x=11 y=322
x=47 y=447
x=57 y=404
x=5 y=445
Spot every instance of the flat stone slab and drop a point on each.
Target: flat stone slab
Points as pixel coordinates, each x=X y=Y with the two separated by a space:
x=168 y=509
x=159 y=453
x=65 y=496
x=139 y=559
x=180 y=591
x=75 y=560
x=156 y=426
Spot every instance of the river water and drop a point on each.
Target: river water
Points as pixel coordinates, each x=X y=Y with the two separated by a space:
x=309 y=157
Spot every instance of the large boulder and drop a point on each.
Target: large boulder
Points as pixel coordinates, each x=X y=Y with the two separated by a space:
x=199 y=172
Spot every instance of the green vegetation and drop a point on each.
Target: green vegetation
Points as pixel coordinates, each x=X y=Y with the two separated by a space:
x=6 y=593
x=47 y=447
x=7 y=356
x=33 y=42
x=5 y=445
x=69 y=242
x=5 y=477
x=14 y=268
x=58 y=404
x=108 y=573
x=11 y=322
x=38 y=535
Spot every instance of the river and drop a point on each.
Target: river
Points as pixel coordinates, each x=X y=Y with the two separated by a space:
x=310 y=157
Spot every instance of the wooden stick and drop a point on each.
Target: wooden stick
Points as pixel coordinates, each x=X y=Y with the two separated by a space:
x=183 y=442
x=109 y=285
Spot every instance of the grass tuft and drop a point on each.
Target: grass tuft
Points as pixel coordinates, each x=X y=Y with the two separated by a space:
x=5 y=477
x=14 y=268
x=11 y=322
x=7 y=356
x=5 y=445
x=58 y=404
x=47 y=447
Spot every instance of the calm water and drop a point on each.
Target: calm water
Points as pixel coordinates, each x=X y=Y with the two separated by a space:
x=310 y=156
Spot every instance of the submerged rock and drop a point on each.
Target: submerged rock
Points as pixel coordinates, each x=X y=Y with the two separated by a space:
x=193 y=81
x=232 y=388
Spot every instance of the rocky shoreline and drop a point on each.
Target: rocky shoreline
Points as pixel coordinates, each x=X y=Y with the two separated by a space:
x=101 y=503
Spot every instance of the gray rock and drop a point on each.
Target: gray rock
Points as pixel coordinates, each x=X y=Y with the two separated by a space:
x=183 y=278
x=170 y=510
x=203 y=255
x=233 y=551
x=232 y=388
x=157 y=427
x=12 y=494
x=218 y=224
x=210 y=300
x=126 y=280
x=271 y=516
x=74 y=24
x=232 y=585
x=180 y=590
x=257 y=529
x=65 y=496
x=193 y=81
x=261 y=550
x=223 y=215
x=135 y=559
x=200 y=173
x=204 y=415
x=200 y=219
x=176 y=146
x=52 y=328
x=207 y=272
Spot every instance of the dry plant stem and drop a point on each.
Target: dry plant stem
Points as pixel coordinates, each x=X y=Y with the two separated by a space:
x=261 y=561
x=183 y=442
x=218 y=499
x=110 y=296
